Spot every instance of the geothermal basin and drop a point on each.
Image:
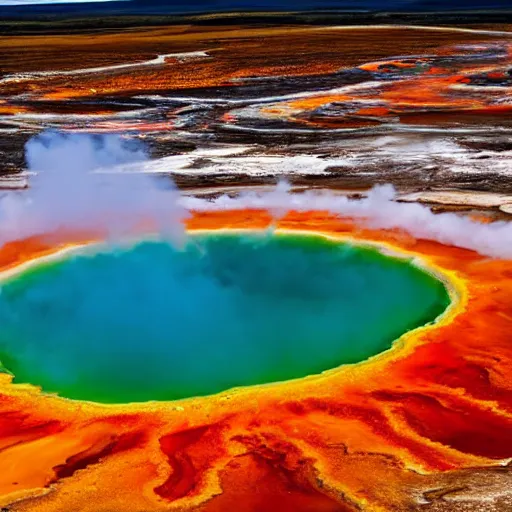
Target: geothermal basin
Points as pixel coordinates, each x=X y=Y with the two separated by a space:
x=154 y=321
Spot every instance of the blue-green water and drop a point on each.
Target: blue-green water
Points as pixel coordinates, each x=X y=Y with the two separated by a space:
x=152 y=322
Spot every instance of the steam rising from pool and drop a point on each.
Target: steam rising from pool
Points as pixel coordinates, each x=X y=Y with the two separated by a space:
x=71 y=190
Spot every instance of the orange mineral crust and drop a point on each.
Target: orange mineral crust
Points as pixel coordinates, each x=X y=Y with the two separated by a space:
x=426 y=425
x=81 y=66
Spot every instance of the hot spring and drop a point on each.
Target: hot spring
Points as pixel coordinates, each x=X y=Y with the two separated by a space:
x=156 y=322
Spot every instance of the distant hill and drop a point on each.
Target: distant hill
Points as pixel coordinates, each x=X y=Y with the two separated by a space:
x=169 y=7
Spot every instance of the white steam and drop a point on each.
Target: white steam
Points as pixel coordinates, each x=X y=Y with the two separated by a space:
x=67 y=191
x=379 y=210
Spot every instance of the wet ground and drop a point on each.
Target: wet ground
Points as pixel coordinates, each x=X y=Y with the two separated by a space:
x=425 y=108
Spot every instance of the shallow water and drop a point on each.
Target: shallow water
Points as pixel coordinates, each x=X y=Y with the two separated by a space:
x=153 y=322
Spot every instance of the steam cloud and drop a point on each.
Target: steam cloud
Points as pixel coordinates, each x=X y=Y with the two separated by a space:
x=69 y=190
x=379 y=210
